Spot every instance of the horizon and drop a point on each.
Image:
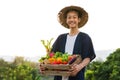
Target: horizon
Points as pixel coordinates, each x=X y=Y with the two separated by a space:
x=101 y=55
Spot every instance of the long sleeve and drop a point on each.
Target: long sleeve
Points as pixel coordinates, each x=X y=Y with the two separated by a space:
x=88 y=49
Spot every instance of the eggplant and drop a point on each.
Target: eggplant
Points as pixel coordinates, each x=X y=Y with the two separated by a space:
x=73 y=60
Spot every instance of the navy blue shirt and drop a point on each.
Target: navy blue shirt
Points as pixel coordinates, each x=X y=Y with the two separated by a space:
x=83 y=46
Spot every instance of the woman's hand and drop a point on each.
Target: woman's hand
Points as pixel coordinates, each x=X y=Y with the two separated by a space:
x=75 y=69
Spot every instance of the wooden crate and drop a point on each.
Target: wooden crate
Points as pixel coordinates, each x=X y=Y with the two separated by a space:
x=59 y=69
x=57 y=66
x=56 y=73
x=56 y=69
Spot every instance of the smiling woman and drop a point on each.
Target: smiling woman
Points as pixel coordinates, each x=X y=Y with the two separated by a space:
x=75 y=42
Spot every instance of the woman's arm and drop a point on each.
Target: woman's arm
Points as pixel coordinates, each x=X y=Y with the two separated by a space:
x=85 y=62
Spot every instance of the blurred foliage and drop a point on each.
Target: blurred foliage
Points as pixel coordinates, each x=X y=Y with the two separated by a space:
x=16 y=70
x=107 y=70
x=21 y=69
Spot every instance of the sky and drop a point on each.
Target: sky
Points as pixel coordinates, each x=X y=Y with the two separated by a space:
x=23 y=23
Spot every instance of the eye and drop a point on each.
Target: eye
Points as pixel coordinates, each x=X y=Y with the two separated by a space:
x=75 y=17
x=68 y=17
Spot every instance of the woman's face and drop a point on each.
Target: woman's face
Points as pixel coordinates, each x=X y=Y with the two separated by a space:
x=72 y=19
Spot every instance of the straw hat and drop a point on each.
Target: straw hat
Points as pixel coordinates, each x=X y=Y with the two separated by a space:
x=63 y=12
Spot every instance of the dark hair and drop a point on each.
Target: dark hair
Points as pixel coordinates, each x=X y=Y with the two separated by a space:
x=78 y=12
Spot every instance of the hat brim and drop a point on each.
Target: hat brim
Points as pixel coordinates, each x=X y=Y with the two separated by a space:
x=62 y=20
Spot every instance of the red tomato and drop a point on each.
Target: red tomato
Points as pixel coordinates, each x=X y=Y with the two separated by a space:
x=59 y=60
x=64 y=62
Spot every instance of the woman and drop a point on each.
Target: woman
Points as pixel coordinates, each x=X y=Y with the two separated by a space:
x=74 y=42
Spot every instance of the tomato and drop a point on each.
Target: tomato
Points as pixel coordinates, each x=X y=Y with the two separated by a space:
x=55 y=62
x=64 y=62
x=59 y=60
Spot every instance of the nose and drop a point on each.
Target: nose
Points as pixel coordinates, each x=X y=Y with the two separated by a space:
x=71 y=19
